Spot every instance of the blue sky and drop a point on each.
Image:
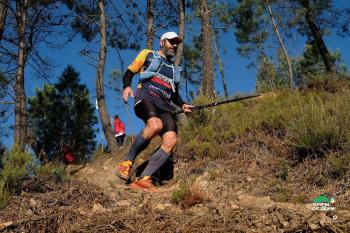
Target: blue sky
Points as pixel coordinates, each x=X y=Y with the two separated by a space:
x=239 y=78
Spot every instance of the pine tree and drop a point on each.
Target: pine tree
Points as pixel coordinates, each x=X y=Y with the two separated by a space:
x=62 y=116
x=311 y=64
x=4 y=106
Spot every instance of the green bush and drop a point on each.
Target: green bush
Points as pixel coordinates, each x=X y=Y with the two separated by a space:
x=179 y=194
x=311 y=122
x=15 y=170
x=4 y=195
x=327 y=83
x=320 y=123
x=53 y=169
x=339 y=165
x=282 y=194
x=186 y=197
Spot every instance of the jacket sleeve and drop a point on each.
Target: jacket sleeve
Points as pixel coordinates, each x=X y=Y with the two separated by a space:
x=135 y=67
x=127 y=78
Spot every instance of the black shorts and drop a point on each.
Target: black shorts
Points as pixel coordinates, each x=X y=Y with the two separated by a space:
x=146 y=109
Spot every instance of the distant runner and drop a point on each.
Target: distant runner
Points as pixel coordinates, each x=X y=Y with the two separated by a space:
x=68 y=156
x=155 y=99
x=119 y=131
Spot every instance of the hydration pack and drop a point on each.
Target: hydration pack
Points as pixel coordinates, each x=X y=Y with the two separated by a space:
x=155 y=66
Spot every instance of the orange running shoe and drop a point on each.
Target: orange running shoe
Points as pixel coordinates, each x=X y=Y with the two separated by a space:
x=145 y=184
x=123 y=169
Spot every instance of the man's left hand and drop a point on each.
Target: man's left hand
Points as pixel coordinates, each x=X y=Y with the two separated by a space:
x=187 y=108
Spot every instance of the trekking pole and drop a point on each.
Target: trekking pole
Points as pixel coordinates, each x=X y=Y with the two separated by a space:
x=198 y=107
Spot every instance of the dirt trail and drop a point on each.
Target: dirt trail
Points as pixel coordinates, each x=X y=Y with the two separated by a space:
x=229 y=204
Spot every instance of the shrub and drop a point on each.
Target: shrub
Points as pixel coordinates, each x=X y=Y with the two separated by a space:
x=213 y=174
x=301 y=199
x=339 y=165
x=285 y=167
x=53 y=169
x=13 y=173
x=4 y=195
x=328 y=83
x=179 y=194
x=186 y=197
x=282 y=194
x=310 y=122
x=320 y=123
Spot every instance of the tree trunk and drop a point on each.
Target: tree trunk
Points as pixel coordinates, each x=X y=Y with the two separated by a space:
x=3 y=14
x=218 y=60
x=207 y=73
x=289 y=63
x=37 y=146
x=20 y=96
x=106 y=127
x=150 y=22
x=180 y=47
x=317 y=35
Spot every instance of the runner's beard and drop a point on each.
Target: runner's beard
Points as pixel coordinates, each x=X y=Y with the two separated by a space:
x=169 y=53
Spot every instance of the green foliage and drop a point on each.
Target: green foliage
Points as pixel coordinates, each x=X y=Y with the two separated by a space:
x=254 y=31
x=207 y=129
x=186 y=197
x=179 y=194
x=320 y=123
x=327 y=83
x=327 y=15
x=311 y=123
x=192 y=61
x=339 y=165
x=73 y=126
x=282 y=194
x=309 y=66
x=301 y=199
x=4 y=194
x=222 y=17
x=119 y=34
x=13 y=173
x=52 y=169
x=284 y=169
x=251 y=25
x=270 y=78
x=214 y=174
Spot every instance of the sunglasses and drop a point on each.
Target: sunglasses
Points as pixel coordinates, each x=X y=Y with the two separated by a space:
x=173 y=41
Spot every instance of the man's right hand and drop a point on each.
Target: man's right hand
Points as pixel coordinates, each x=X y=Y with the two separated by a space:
x=127 y=92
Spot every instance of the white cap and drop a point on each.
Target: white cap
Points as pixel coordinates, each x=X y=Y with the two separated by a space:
x=170 y=36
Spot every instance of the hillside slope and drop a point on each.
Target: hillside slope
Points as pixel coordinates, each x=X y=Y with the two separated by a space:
x=254 y=181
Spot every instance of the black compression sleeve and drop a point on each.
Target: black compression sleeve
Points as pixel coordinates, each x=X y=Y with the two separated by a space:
x=176 y=98
x=127 y=78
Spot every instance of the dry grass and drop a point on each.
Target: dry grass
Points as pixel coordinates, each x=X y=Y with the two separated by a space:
x=244 y=148
x=50 y=206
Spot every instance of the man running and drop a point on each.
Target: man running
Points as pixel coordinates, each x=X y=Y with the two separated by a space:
x=155 y=99
x=119 y=131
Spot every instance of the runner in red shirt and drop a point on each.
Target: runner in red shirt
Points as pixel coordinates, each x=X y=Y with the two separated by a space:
x=68 y=156
x=119 y=131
